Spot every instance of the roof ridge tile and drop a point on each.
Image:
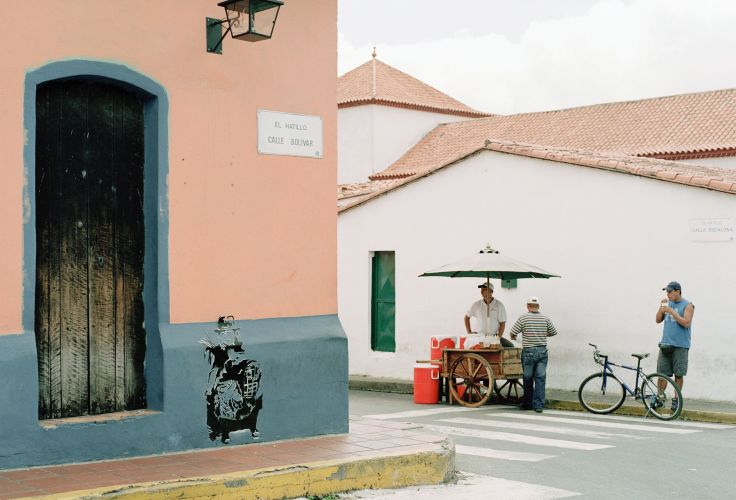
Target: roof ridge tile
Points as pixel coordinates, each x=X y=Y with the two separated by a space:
x=378 y=82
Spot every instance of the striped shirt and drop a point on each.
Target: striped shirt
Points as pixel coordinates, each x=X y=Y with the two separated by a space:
x=535 y=328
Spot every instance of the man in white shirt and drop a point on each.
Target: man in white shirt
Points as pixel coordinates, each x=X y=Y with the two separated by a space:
x=489 y=315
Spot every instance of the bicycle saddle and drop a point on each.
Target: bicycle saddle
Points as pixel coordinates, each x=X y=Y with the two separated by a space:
x=641 y=356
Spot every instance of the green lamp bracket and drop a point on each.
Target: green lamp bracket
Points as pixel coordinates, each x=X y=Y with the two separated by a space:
x=215 y=36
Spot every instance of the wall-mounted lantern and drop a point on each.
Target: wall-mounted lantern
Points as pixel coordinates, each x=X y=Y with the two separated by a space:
x=250 y=20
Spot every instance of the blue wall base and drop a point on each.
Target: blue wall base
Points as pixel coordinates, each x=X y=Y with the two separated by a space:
x=304 y=363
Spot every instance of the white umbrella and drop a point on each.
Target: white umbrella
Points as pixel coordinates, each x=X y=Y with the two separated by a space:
x=489 y=263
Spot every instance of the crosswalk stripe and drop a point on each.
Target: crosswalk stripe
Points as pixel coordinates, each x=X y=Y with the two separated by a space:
x=586 y=421
x=504 y=489
x=518 y=456
x=421 y=413
x=517 y=438
x=540 y=428
x=469 y=486
x=649 y=420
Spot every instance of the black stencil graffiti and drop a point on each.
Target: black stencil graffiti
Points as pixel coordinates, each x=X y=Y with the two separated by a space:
x=233 y=393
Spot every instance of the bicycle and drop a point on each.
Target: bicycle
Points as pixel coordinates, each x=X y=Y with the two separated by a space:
x=604 y=392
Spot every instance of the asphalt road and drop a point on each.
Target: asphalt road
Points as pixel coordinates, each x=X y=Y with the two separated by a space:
x=521 y=454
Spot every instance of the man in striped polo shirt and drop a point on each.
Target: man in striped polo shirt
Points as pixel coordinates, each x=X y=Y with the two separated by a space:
x=535 y=328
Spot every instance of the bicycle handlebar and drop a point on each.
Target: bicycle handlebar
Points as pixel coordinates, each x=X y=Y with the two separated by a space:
x=596 y=353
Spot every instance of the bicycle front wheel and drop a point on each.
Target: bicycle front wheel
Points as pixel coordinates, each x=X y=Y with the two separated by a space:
x=661 y=396
x=600 y=394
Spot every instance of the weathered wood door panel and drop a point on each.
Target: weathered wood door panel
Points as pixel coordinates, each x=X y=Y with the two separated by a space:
x=90 y=241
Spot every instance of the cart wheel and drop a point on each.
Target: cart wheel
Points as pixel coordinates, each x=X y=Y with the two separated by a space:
x=509 y=391
x=471 y=380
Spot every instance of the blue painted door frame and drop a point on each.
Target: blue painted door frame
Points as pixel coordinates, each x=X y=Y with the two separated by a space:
x=155 y=268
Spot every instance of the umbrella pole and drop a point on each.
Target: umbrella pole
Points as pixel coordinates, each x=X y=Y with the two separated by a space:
x=488 y=306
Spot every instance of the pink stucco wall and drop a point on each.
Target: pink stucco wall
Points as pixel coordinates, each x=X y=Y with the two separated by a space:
x=249 y=235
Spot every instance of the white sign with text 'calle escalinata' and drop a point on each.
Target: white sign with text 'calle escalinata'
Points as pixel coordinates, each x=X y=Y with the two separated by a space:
x=289 y=134
x=708 y=230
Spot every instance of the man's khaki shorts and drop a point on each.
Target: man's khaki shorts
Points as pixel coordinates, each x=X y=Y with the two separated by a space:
x=672 y=360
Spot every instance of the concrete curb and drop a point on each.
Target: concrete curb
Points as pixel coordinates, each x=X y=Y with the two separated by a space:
x=393 y=385
x=431 y=464
x=400 y=386
x=708 y=416
x=638 y=411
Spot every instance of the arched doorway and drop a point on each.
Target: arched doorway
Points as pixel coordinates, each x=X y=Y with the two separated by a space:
x=90 y=243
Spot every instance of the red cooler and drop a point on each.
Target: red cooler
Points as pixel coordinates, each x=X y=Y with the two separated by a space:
x=439 y=343
x=426 y=383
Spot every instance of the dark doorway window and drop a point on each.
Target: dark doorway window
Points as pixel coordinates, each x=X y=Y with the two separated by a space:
x=383 y=302
x=89 y=248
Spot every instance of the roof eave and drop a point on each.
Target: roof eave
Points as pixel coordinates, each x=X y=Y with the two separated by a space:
x=469 y=113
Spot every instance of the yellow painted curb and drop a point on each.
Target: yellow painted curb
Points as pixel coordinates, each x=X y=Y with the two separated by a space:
x=434 y=464
x=638 y=411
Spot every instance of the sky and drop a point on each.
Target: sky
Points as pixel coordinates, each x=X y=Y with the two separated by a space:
x=517 y=56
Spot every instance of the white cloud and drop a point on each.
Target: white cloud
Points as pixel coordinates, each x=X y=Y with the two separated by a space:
x=615 y=51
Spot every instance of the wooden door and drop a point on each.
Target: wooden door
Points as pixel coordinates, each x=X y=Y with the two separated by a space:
x=89 y=249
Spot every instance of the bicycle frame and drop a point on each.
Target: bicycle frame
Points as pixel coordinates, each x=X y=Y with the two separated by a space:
x=607 y=371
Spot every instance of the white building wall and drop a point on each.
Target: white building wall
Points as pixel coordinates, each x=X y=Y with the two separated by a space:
x=372 y=137
x=355 y=144
x=616 y=239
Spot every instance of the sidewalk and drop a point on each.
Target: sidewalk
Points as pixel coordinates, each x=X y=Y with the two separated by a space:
x=695 y=409
x=374 y=454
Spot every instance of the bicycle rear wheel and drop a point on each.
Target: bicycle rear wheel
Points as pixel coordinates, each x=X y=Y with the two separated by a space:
x=599 y=398
x=661 y=396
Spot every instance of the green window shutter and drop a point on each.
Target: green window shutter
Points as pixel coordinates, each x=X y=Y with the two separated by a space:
x=383 y=303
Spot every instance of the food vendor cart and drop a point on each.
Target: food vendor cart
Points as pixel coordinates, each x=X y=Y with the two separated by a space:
x=469 y=376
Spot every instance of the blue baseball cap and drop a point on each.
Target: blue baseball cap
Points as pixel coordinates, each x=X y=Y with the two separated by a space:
x=672 y=285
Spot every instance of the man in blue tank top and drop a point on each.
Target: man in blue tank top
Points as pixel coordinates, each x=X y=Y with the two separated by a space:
x=677 y=315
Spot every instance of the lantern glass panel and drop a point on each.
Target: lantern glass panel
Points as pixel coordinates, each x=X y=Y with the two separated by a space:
x=239 y=18
x=251 y=19
x=264 y=17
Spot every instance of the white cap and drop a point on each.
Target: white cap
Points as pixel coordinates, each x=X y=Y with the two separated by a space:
x=533 y=300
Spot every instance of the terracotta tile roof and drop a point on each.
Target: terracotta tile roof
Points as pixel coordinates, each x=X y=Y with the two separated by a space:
x=376 y=82
x=351 y=194
x=713 y=178
x=677 y=127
